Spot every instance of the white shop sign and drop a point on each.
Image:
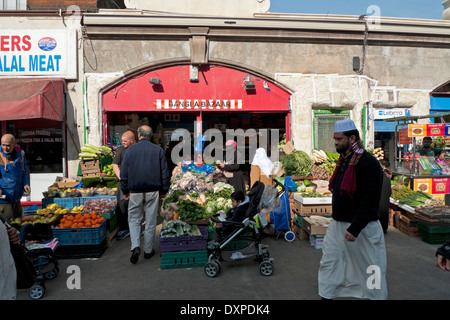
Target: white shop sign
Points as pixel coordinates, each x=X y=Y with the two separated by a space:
x=51 y=53
x=381 y=113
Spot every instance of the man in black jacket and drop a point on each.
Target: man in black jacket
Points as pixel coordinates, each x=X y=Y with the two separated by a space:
x=144 y=174
x=354 y=253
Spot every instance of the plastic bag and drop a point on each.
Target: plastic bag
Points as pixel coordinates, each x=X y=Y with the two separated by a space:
x=290 y=185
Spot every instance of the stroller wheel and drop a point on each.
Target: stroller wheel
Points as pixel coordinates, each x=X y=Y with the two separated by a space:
x=52 y=274
x=37 y=291
x=289 y=236
x=266 y=268
x=212 y=269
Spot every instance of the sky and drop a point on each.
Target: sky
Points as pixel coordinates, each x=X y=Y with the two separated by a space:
x=419 y=9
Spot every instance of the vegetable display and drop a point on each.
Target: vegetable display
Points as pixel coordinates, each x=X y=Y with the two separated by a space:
x=297 y=162
x=178 y=228
x=91 y=152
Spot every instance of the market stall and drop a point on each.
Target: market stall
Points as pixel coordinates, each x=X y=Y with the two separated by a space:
x=80 y=213
x=421 y=178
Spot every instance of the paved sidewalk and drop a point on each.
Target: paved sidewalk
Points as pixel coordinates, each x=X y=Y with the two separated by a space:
x=411 y=275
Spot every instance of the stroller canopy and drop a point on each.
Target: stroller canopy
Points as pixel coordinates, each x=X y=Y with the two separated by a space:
x=254 y=196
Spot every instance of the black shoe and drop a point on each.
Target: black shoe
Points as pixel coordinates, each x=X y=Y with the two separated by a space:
x=149 y=255
x=135 y=253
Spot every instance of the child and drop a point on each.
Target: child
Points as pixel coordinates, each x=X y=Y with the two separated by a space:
x=237 y=213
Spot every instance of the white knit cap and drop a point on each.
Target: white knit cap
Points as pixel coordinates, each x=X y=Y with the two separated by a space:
x=344 y=125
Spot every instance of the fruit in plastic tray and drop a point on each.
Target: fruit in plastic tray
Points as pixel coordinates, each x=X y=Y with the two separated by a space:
x=100 y=206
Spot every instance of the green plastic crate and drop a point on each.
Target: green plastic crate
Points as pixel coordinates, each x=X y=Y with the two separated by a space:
x=183 y=259
x=111 y=219
x=434 y=235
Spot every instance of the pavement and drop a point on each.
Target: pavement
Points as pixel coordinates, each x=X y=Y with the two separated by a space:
x=411 y=275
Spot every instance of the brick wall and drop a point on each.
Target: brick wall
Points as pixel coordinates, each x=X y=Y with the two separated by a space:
x=61 y=4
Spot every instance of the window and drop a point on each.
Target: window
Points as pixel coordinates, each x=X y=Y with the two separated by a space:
x=323 y=126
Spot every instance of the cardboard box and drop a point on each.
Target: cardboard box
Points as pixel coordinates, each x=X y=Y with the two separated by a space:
x=288 y=147
x=312 y=210
x=306 y=200
x=312 y=228
x=316 y=241
x=257 y=175
x=62 y=182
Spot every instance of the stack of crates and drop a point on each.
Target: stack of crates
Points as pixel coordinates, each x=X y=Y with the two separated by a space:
x=305 y=207
x=81 y=242
x=184 y=252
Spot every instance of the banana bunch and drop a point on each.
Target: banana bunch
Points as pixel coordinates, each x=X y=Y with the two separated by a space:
x=53 y=207
x=61 y=211
x=78 y=209
x=319 y=156
x=43 y=211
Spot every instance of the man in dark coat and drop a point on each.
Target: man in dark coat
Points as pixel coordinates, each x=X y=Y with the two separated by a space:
x=144 y=175
x=353 y=263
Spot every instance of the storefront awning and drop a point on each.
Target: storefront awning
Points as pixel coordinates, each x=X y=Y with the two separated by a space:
x=24 y=98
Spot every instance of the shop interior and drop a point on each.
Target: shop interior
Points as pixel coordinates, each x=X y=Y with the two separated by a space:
x=164 y=124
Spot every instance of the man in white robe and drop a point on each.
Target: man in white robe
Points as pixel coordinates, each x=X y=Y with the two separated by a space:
x=354 y=262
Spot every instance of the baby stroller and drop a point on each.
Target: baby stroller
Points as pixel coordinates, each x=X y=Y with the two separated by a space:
x=35 y=264
x=247 y=230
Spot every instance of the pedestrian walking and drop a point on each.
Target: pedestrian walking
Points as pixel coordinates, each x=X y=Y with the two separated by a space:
x=353 y=262
x=144 y=175
x=128 y=139
x=14 y=180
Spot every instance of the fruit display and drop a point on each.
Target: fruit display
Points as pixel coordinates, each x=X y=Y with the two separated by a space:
x=45 y=218
x=99 y=206
x=52 y=208
x=91 y=220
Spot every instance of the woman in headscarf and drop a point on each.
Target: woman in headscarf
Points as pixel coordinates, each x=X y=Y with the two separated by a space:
x=233 y=171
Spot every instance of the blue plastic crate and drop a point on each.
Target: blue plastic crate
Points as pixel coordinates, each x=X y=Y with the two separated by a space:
x=80 y=236
x=67 y=202
x=46 y=201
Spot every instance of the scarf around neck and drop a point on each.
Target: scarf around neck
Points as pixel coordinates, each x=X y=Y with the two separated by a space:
x=348 y=183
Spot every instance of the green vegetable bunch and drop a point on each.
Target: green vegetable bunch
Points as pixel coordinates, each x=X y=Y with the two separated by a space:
x=191 y=211
x=297 y=163
x=173 y=198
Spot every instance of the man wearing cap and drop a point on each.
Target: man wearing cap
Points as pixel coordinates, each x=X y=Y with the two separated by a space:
x=353 y=260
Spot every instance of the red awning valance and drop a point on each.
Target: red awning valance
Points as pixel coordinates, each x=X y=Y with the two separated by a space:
x=25 y=98
x=218 y=88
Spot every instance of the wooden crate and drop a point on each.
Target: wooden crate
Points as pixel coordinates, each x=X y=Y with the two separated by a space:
x=312 y=228
x=408 y=224
x=300 y=233
x=312 y=210
x=410 y=231
x=90 y=168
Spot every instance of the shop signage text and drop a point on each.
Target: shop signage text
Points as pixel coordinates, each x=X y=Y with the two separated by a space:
x=38 y=52
x=198 y=104
x=431 y=130
x=381 y=113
